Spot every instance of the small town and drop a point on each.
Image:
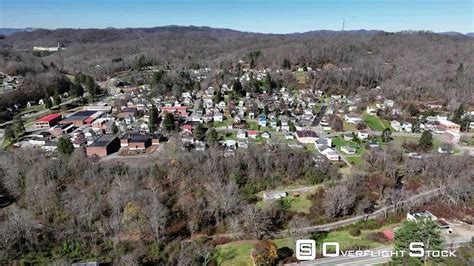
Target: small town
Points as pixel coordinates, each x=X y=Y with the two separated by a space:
x=231 y=133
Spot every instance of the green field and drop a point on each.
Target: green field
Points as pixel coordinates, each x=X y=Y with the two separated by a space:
x=234 y=253
x=376 y=123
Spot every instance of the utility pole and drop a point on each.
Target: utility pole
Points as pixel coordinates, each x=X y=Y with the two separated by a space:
x=343 y=24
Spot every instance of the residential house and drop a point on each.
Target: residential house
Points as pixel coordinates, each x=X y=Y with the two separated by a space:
x=396 y=125
x=362 y=135
x=306 y=136
x=330 y=153
x=274 y=195
x=253 y=134
x=241 y=134
x=353 y=119
x=262 y=120
x=348 y=150
x=266 y=135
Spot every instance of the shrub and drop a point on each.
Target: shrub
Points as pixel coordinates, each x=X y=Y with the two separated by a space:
x=354 y=232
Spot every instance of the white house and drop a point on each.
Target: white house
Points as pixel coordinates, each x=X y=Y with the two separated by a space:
x=330 y=153
x=218 y=117
x=371 y=110
x=241 y=134
x=353 y=119
x=348 y=150
x=273 y=195
x=362 y=135
x=407 y=126
x=396 y=125
x=388 y=103
x=266 y=135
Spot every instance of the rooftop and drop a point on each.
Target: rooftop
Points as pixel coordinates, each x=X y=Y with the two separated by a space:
x=49 y=117
x=103 y=141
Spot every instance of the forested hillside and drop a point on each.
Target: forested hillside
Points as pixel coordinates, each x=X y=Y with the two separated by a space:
x=406 y=64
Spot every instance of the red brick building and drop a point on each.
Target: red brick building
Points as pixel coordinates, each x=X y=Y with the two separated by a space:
x=105 y=145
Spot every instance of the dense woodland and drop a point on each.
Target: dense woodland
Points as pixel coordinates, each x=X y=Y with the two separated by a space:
x=72 y=208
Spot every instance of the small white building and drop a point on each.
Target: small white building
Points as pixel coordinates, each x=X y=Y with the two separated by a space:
x=348 y=150
x=273 y=195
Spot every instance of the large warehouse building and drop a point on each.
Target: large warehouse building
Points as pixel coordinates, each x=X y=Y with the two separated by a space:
x=103 y=146
x=82 y=118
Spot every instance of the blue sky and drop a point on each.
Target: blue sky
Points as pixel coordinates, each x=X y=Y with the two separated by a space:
x=275 y=16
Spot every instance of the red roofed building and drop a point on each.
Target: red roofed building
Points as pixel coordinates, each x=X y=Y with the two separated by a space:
x=253 y=133
x=48 y=121
x=180 y=110
x=187 y=129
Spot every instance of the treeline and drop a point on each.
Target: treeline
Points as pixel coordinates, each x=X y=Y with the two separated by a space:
x=39 y=80
x=71 y=208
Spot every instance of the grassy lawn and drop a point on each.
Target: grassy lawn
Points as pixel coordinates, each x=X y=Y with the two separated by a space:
x=234 y=253
x=224 y=123
x=252 y=124
x=349 y=127
x=299 y=204
x=339 y=142
x=376 y=123
x=230 y=136
x=398 y=141
x=6 y=143
x=354 y=159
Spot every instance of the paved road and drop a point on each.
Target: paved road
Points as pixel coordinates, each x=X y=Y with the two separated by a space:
x=42 y=112
x=331 y=226
x=378 y=213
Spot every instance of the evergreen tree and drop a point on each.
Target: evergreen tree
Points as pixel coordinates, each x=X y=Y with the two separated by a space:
x=286 y=64
x=154 y=119
x=57 y=99
x=218 y=97
x=386 y=135
x=199 y=132
x=91 y=87
x=65 y=146
x=424 y=231
x=48 y=103
x=291 y=126
x=77 y=89
x=237 y=87
x=212 y=136
x=115 y=129
x=9 y=134
x=18 y=128
x=458 y=114
x=168 y=122
x=426 y=141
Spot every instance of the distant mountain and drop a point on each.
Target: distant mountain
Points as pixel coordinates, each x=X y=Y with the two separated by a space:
x=9 y=31
x=470 y=34
x=332 y=33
